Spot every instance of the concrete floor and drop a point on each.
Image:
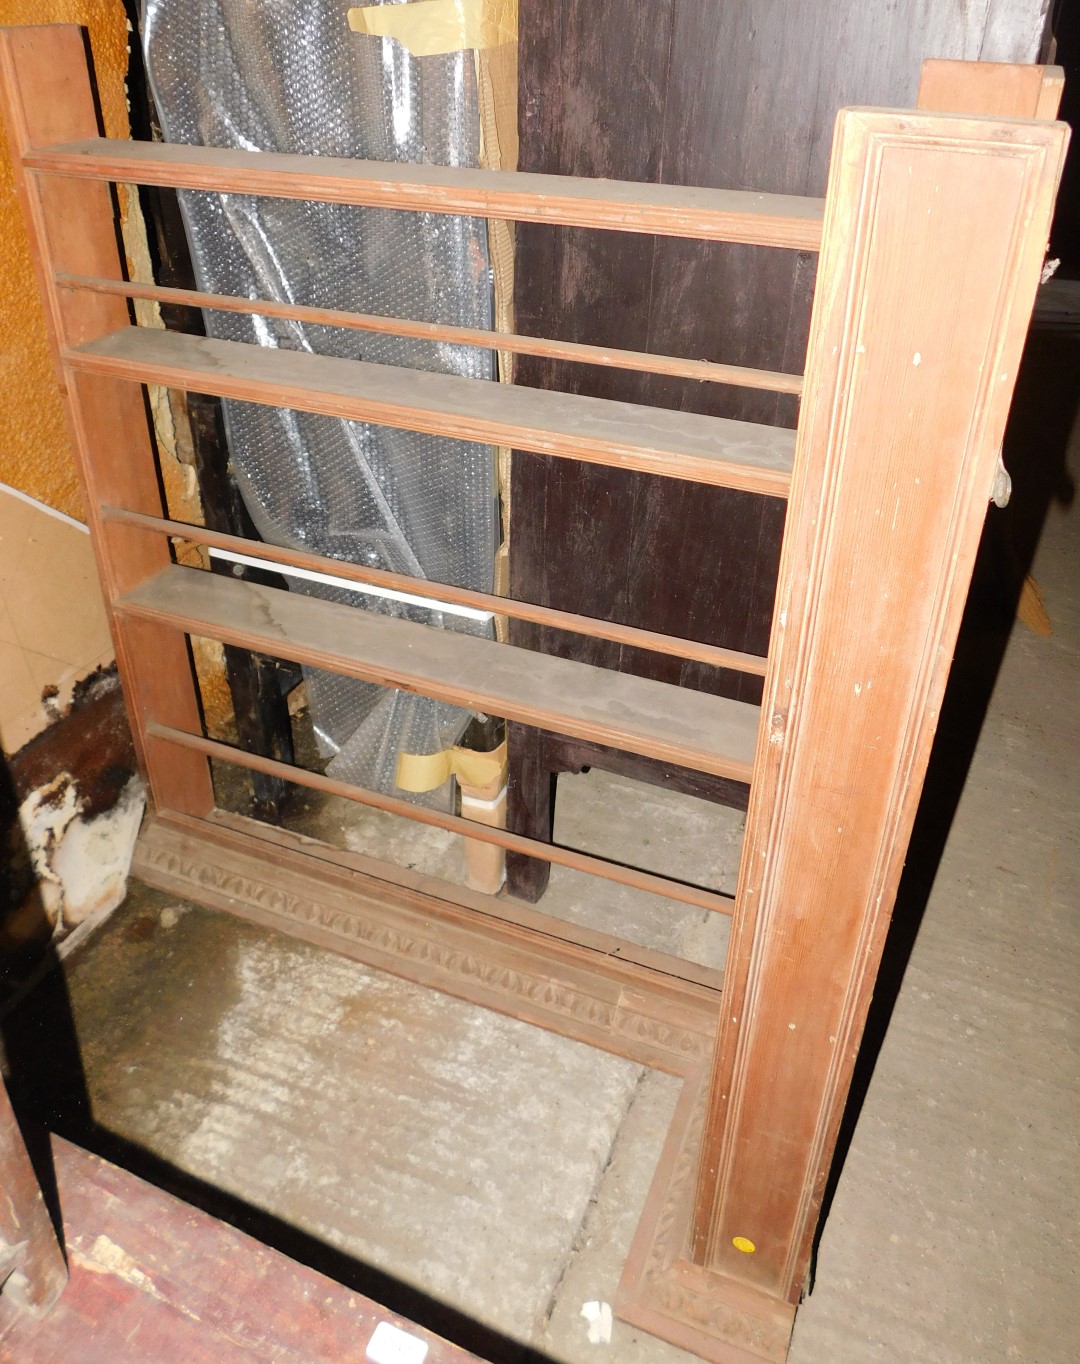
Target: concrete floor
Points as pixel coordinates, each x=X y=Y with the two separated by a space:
x=500 y=1170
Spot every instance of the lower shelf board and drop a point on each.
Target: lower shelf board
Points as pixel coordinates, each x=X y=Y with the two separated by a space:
x=675 y=724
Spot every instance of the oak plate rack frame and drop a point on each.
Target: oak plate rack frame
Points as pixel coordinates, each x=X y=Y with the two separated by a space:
x=931 y=240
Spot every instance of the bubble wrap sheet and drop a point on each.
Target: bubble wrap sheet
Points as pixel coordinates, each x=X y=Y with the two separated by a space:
x=289 y=76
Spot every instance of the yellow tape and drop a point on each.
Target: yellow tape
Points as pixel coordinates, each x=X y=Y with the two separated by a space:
x=427 y=27
x=425 y=771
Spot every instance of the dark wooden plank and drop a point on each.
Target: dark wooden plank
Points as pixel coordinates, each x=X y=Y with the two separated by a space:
x=706 y=732
x=742 y=94
x=702 y=449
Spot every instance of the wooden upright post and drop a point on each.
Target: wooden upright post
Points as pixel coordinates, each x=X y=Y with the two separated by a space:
x=33 y=1271
x=46 y=98
x=934 y=238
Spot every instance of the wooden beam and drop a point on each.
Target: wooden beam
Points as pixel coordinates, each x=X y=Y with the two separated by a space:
x=907 y=393
x=32 y=1268
x=612 y=205
x=689 y=649
x=651 y=440
x=699 y=730
x=704 y=371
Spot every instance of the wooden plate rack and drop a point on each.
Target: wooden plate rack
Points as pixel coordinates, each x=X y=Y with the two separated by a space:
x=931 y=240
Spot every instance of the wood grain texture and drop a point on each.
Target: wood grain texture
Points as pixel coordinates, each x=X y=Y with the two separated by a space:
x=154 y=1279
x=489 y=836
x=742 y=94
x=998 y=89
x=444 y=592
x=907 y=394
x=708 y=732
x=483 y=908
x=715 y=215
x=703 y=449
x=660 y=1291
x=46 y=95
x=32 y=1268
x=702 y=371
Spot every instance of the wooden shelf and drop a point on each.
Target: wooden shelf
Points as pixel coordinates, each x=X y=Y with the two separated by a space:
x=906 y=396
x=698 y=730
x=679 y=444
x=723 y=215
x=646 y=362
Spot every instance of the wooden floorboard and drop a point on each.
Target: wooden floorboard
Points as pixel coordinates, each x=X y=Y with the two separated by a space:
x=154 y=1280
x=704 y=732
x=686 y=445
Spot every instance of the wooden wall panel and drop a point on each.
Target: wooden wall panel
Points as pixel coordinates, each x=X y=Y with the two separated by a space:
x=745 y=95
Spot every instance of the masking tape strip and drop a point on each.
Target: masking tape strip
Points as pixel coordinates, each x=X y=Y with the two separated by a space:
x=428 y=27
x=418 y=772
x=472 y=803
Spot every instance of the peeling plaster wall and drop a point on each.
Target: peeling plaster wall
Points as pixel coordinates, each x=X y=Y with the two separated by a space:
x=35 y=455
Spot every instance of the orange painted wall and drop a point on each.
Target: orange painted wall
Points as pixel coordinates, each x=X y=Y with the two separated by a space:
x=35 y=456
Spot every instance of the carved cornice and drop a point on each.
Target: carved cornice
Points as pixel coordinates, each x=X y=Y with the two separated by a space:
x=468 y=971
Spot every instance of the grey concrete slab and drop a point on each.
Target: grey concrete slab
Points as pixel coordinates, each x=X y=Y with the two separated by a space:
x=450 y=1147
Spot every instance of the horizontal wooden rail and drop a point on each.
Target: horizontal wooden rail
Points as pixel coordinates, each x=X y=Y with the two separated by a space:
x=703 y=371
x=681 y=891
x=615 y=205
x=274 y=555
x=675 y=724
x=714 y=450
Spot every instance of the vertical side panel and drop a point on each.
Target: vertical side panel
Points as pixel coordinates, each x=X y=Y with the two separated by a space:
x=47 y=98
x=934 y=237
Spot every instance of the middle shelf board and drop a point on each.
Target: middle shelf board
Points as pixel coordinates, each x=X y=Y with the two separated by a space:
x=652 y=440
x=694 y=729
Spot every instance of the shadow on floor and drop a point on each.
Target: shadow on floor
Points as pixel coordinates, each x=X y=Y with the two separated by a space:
x=1036 y=448
x=47 y=1083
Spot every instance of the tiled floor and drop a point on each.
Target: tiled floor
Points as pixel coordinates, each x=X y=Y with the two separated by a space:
x=52 y=618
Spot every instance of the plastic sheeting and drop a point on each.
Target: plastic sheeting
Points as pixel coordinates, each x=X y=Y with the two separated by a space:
x=289 y=76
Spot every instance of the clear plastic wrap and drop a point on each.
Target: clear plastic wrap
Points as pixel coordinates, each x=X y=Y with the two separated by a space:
x=289 y=76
